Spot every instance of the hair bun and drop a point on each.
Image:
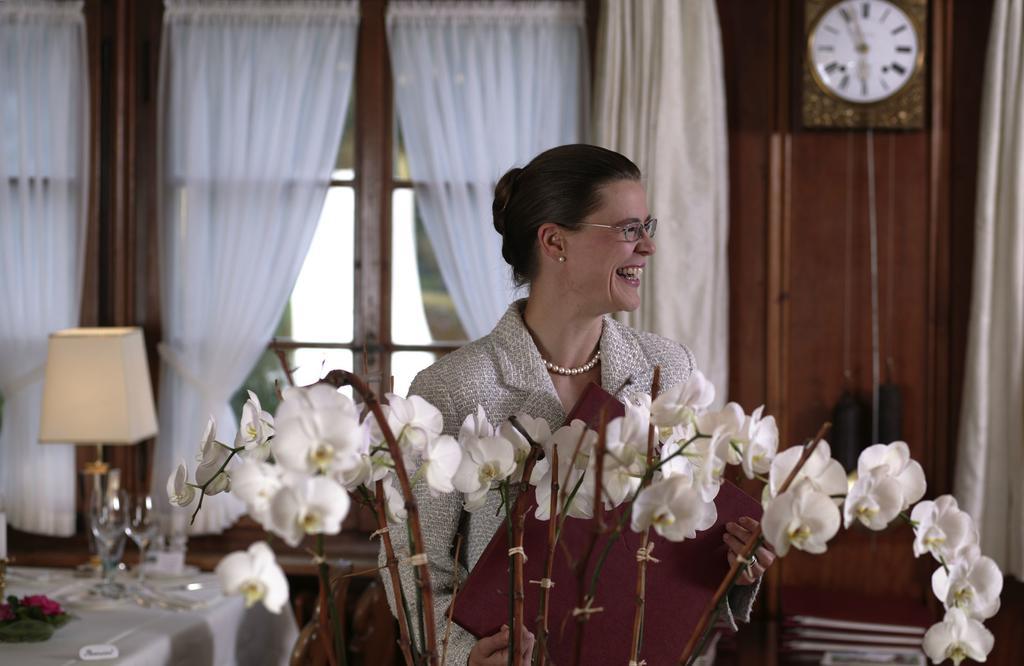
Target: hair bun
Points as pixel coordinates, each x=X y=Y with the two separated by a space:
x=503 y=192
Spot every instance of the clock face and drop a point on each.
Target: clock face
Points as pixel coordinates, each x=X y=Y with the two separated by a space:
x=863 y=51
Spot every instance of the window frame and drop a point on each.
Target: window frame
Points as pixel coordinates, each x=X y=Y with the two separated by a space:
x=374 y=184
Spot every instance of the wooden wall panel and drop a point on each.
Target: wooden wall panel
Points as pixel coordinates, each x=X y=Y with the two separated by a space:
x=749 y=90
x=799 y=217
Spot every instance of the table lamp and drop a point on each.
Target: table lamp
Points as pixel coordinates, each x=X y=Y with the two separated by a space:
x=97 y=391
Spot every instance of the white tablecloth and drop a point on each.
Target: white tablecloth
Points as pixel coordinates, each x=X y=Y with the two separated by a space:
x=222 y=632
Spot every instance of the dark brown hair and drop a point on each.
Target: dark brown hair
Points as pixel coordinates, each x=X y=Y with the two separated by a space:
x=561 y=185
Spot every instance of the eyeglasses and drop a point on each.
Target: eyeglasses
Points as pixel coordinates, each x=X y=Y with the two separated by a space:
x=631 y=232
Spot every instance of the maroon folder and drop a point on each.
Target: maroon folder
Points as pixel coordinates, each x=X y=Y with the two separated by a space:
x=678 y=587
x=591 y=402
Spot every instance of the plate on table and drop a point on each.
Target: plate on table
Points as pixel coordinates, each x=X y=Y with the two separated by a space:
x=85 y=598
x=188 y=572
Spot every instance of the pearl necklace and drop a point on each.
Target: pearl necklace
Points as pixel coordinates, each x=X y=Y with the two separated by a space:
x=586 y=367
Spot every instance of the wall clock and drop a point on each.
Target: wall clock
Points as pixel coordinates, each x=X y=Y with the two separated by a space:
x=864 y=64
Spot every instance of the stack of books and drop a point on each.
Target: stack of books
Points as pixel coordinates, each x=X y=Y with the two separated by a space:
x=850 y=630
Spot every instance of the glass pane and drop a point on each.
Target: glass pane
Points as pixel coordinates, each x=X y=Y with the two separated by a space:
x=405 y=365
x=400 y=160
x=322 y=301
x=345 y=164
x=265 y=380
x=421 y=309
x=310 y=365
x=307 y=366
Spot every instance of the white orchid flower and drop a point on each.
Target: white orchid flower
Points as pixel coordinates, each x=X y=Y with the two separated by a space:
x=476 y=425
x=674 y=507
x=254 y=573
x=179 y=492
x=617 y=481
x=802 y=517
x=319 y=431
x=672 y=463
x=394 y=503
x=359 y=474
x=414 y=421
x=256 y=483
x=538 y=430
x=709 y=456
x=441 y=460
x=576 y=433
x=297 y=401
x=727 y=425
x=942 y=529
x=309 y=505
x=255 y=430
x=566 y=438
x=681 y=403
x=875 y=500
x=824 y=473
x=973 y=585
x=895 y=459
x=759 y=441
x=626 y=439
x=485 y=462
x=957 y=637
x=212 y=455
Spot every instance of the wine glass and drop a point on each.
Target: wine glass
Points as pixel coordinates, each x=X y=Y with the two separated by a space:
x=108 y=519
x=143 y=526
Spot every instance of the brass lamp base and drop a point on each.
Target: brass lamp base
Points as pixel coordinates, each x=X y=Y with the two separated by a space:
x=98 y=466
x=104 y=480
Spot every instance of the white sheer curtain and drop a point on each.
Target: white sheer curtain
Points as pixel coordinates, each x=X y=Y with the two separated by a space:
x=991 y=442
x=660 y=100
x=253 y=101
x=481 y=87
x=44 y=112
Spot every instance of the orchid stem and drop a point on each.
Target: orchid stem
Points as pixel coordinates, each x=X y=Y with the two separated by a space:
x=202 y=488
x=332 y=607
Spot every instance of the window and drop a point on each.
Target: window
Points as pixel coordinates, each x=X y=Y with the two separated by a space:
x=369 y=297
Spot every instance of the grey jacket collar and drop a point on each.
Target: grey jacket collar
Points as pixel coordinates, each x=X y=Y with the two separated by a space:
x=622 y=360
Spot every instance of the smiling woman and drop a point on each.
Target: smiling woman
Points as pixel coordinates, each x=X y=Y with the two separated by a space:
x=575 y=228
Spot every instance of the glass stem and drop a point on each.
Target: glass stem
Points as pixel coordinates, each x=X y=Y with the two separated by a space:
x=142 y=564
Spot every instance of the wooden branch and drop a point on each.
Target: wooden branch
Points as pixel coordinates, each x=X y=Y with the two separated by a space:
x=641 y=564
x=451 y=606
x=549 y=562
x=740 y=562
x=283 y=358
x=341 y=378
x=404 y=640
x=323 y=621
x=518 y=515
x=584 y=602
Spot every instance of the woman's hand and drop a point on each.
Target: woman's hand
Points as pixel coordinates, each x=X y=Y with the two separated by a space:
x=493 y=650
x=736 y=536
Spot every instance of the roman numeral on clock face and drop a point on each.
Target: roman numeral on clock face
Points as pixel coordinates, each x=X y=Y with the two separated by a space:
x=864 y=51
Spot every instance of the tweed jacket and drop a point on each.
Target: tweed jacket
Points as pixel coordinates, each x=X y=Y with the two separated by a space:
x=504 y=373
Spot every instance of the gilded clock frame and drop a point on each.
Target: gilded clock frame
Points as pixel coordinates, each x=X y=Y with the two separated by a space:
x=905 y=109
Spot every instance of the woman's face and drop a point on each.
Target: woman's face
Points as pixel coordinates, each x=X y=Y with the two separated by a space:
x=602 y=268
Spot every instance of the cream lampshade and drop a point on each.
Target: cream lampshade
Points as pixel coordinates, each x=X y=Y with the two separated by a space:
x=97 y=389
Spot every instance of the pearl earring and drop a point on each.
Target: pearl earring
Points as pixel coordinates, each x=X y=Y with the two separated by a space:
x=561 y=260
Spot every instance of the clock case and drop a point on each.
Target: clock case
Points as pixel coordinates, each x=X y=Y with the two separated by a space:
x=820 y=109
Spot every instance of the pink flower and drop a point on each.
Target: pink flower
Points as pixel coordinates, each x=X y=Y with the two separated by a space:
x=43 y=603
x=6 y=613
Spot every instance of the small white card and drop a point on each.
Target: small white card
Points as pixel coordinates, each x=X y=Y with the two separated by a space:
x=169 y=563
x=98 y=652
